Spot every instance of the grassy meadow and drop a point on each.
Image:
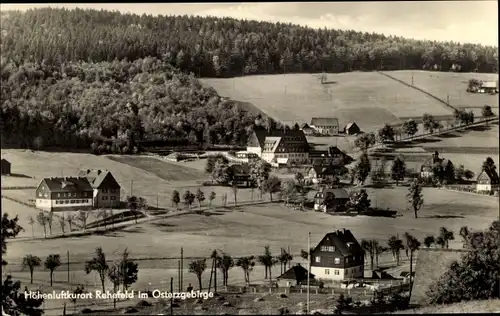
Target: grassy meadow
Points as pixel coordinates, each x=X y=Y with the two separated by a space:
x=452 y=84
x=369 y=99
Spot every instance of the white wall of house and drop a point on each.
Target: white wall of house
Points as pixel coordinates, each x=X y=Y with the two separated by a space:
x=336 y=274
x=255 y=150
x=483 y=187
x=47 y=204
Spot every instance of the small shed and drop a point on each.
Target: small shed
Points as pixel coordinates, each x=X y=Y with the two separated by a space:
x=5 y=167
x=352 y=129
x=296 y=275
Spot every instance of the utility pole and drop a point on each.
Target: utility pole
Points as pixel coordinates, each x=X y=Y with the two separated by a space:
x=172 y=296
x=131 y=187
x=68 y=268
x=412 y=80
x=157 y=195
x=289 y=262
x=179 y=275
x=182 y=269
x=308 y=269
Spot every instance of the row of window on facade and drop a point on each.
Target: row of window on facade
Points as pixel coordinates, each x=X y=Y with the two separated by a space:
x=68 y=201
x=290 y=155
x=337 y=272
x=336 y=260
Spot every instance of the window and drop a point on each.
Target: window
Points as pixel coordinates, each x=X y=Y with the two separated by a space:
x=346 y=259
x=73 y=201
x=113 y=198
x=66 y=201
x=327 y=271
x=40 y=194
x=104 y=190
x=74 y=194
x=58 y=194
x=104 y=198
x=336 y=272
x=346 y=271
x=318 y=259
x=337 y=261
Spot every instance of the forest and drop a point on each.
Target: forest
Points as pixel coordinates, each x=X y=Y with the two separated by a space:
x=109 y=81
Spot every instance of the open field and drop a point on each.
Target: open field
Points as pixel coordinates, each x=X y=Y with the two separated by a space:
x=162 y=169
x=370 y=99
x=442 y=84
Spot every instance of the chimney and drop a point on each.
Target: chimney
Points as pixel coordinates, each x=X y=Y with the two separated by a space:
x=435 y=156
x=343 y=230
x=88 y=171
x=298 y=265
x=98 y=172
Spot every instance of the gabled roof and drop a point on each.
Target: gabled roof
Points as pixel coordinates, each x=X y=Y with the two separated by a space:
x=491 y=174
x=341 y=239
x=5 y=160
x=242 y=169
x=67 y=184
x=325 y=121
x=95 y=176
x=348 y=126
x=338 y=193
x=296 y=273
x=262 y=133
x=304 y=125
x=328 y=170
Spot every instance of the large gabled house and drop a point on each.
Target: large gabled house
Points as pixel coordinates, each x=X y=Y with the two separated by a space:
x=241 y=175
x=341 y=197
x=279 y=147
x=106 y=190
x=487 y=181
x=338 y=256
x=436 y=164
x=64 y=194
x=325 y=125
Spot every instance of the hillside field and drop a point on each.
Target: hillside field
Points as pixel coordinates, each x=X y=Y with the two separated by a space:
x=368 y=98
x=452 y=84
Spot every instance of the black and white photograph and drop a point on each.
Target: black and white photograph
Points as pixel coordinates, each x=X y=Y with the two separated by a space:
x=249 y=158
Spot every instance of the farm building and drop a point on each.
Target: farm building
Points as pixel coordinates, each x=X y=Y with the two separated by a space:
x=286 y=146
x=241 y=175
x=325 y=125
x=341 y=197
x=487 y=181
x=352 y=129
x=296 y=275
x=489 y=87
x=333 y=156
x=308 y=130
x=5 y=167
x=437 y=164
x=318 y=173
x=338 y=256
x=278 y=147
x=106 y=188
x=64 y=194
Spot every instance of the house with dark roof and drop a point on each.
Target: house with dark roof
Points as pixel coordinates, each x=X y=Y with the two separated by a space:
x=340 y=196
x=487 y=181
x=279 y=147
x=338 y=257
x=296 y=275
x=241 y=175
x=320 y=173
x=352 y=129
x=308 y=130
x=437 y=164
x=5 y=165
x=333 y=156
x=64 y=194
x=325 y=125
x=106 y=190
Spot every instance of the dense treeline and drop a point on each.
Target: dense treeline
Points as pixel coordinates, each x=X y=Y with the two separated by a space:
x=113 y=106
x=223 y=46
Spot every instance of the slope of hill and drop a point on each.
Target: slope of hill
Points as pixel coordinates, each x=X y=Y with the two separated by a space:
x=367 y=98
x=230 y=47
x=489 y=306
